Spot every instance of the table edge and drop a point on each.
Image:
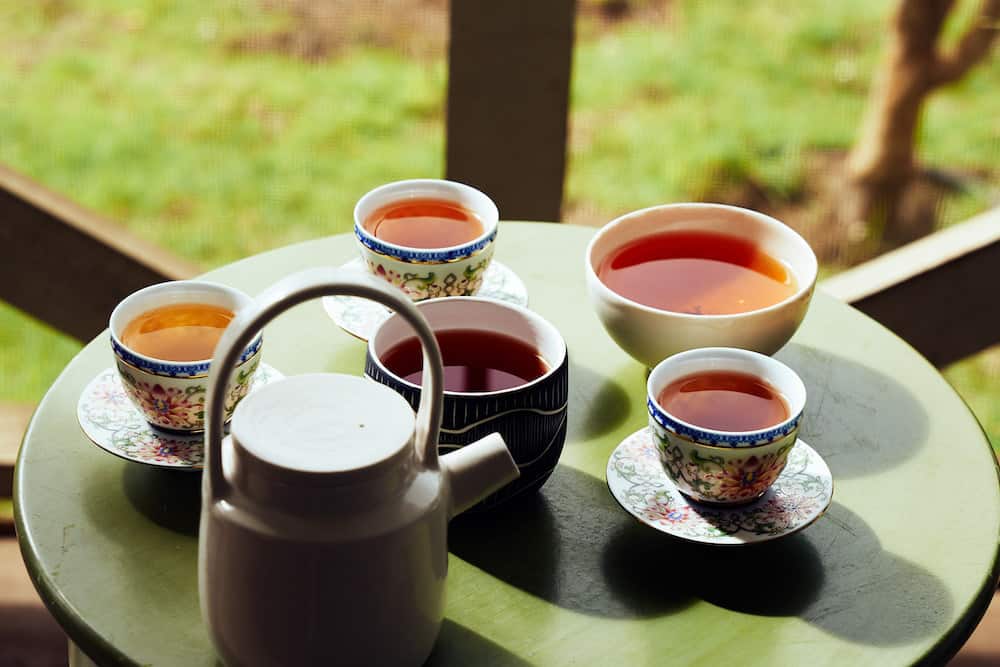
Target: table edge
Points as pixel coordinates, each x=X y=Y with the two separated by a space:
x=951 y=643
x=85 y=637
x=96 y=647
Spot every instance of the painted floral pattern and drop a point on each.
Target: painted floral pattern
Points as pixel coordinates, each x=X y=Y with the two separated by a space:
x=360 y=317
x=720 y=478
x=798 y=497
x=112 y=422
x=436 y=282
x=159 y=448
x=240 y=386
x=182 y=408
x=173 y=407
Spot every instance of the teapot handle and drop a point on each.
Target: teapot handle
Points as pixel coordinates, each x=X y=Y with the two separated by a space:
x=291 y=291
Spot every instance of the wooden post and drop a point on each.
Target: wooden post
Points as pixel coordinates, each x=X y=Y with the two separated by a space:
x=508 y=100
x=66 y=265
x=13 y=420
x=937 y=293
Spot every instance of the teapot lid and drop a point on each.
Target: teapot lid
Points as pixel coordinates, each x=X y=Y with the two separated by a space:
x=324 y=426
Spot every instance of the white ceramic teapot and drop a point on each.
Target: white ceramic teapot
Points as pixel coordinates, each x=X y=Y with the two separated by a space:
x=325 y=512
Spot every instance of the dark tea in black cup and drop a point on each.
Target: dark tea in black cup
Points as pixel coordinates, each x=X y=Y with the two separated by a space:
x=506 y=371
x=475 y=361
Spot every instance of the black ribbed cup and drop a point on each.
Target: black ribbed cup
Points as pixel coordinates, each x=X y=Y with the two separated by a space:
x=531 y=418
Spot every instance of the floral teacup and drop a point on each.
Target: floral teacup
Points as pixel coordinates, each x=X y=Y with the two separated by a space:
x=171 y=394
x=427 y=273
x=723 y=467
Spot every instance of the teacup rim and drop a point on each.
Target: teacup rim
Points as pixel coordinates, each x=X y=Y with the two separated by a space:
x=370 y=241
x=193 y=366
x=804 y=289
x=553 y=368
x=780 y=429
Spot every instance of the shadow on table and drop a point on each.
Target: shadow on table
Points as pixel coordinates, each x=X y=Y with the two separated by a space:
x=458 y=645
x=599 y=405
x=574 y=547
x=168 y=498
x=871 y=595
x=861 y=421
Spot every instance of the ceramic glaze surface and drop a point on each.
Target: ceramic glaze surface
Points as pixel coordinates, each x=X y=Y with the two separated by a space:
x=799 y=496
x=330 y=433
x=178 y=403
x=706 y=359
x=112 y=422
x=718 y=466
x=722 y=475
x=361 y=317
x=461 y=277
x=650 y=335
x=531 y=417
x=427 y=273
x=171 y=394
x=323 y=533
x=340 y=596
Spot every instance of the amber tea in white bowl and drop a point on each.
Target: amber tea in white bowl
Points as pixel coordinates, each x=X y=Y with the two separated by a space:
x=697 y=272
x=682 y=276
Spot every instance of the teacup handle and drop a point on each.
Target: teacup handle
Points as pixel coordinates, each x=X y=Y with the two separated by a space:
x=291 y=291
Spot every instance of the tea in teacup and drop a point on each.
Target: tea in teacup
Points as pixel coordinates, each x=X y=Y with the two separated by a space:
x=724 y=401
x=424 y=223
x=723 y=421
x=474 y=360
x=697 y=272
x=164 y=337
x=428 y=237
x=177 y=332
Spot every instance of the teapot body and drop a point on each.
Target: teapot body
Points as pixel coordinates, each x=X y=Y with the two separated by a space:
x=323 y=534
x=361 y=585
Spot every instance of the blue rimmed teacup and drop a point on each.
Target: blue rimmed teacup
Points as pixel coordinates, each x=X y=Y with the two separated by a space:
x=723 y=467
x=171 y=394
x=531 y=417
x=427 y=273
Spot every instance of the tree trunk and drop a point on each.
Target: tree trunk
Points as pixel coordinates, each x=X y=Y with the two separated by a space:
x=882 y=164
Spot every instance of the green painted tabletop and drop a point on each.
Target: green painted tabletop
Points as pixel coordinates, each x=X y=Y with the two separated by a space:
x=898 y=571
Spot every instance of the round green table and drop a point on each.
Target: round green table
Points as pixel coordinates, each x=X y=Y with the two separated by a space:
x=898 y=571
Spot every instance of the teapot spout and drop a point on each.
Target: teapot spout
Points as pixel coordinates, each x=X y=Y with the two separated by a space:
x=477 y=470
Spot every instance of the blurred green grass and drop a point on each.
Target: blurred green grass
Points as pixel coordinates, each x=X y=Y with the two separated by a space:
x=144 y=111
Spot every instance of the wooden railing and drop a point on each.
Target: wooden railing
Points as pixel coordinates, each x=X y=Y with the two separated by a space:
x=66 y=265
x=938 y=293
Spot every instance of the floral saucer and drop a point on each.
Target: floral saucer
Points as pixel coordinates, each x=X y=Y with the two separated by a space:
x=798 y=497
x=360 y=317
x=113 y=423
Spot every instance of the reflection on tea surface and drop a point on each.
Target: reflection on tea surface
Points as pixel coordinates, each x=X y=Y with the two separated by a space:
x=724 y=401
x=474 y=360
x=177 y=332
x=702 y=273
x=424 y=223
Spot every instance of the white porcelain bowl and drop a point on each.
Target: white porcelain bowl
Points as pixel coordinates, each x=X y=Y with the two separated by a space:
x=650 y=335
